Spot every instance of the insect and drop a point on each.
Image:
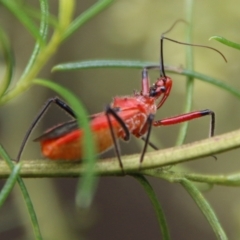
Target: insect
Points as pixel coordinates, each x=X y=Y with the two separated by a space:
x=124 y=116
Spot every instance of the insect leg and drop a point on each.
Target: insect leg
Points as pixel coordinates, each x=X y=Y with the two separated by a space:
x=110 y=111
x=152 y=145
x=187 y=117
x=46 y=106
x=149 y=123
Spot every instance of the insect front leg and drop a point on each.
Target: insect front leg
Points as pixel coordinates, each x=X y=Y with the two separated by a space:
x=187 y=117
x=46 y=106
x=148 y=125
x=111 y=111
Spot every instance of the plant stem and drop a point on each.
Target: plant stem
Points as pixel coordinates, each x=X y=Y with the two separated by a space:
x=189 y=65
x=155 y=159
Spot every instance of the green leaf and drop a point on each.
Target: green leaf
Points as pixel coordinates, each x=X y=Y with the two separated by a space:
x=226 y=42
x=8 y=186
x=74 y=66
x=36 y=14
x=205 y=208
x=87 y=187
x=43 y=32
x=86 y=16
x=156 y=205
x=25 y=194
x=9 y=60
x=15 y=8
x=139 y=65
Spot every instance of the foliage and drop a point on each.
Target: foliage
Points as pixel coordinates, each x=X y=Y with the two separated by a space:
x=63 y=27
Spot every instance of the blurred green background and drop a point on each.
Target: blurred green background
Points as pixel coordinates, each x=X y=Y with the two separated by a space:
x=121 y=209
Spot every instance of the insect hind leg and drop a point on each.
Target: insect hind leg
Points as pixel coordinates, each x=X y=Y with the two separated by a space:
x=46 y=106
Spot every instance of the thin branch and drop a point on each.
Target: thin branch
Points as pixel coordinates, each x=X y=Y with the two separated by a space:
x=156 y=159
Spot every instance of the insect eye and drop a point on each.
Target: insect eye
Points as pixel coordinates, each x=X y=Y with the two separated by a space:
x=156 y=90
x=152 y=92
x=163 y=89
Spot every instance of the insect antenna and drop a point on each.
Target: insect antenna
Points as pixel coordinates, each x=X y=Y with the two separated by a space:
x=162 y=70
x=195 y=45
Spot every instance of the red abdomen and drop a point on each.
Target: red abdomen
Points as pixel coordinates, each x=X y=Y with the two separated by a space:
x=70 y=145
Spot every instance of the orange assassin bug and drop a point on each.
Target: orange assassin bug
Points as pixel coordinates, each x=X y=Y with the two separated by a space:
x=124 y=116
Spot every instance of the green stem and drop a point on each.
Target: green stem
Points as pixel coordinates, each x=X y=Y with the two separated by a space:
x=86 y=16
x=155 y=159
x=156 y=205
x=10 y=166
x=205 y=208
x=189 y=65
x=10 y=183
x=232 y=180
x=65 y=14
x=43 y=32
